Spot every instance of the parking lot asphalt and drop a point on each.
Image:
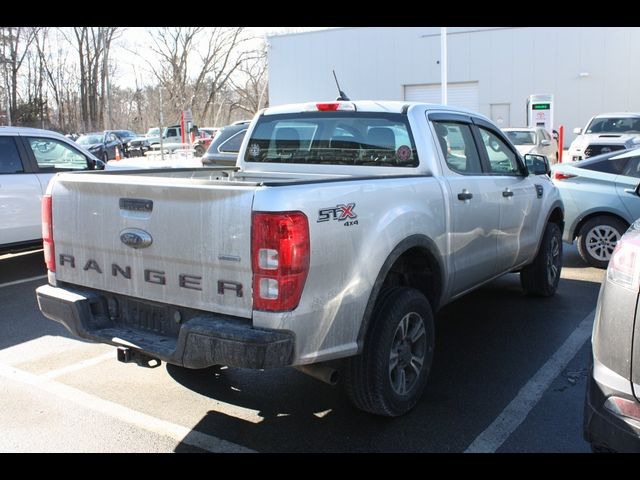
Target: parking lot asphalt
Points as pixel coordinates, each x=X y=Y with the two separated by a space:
x=509 y=375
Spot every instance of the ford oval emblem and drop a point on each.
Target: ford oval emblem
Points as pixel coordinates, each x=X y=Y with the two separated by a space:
x=135 y=238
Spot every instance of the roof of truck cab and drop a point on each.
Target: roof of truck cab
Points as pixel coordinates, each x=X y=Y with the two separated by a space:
x=385 y=106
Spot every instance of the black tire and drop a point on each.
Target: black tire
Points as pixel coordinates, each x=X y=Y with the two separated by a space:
x=600 y=449
x=541 y=277
x=371 y=383
x=598 y=237
x=198 y=151
x=105 y=157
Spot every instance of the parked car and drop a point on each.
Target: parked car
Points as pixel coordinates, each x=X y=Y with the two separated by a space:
x=612 y=409
x=225 y=146
x=203 y=140
x=600 y=202
x=534 y=140
x=138 y=146
x=29 y=157
x=125 y=136
x=605 y=133
x=102 y=144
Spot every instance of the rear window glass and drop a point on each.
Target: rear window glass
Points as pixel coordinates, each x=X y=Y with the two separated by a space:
x=616 y=166
x=333 y=138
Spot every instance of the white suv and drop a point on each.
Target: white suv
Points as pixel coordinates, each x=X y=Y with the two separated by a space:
x=29 y=157
x=605 y=133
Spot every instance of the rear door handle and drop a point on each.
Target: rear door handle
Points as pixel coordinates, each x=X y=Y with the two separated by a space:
x=632 y=191
x=465 y=195
x=507 y=193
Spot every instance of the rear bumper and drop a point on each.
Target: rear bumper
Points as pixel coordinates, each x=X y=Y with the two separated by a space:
x=203 y=340
x=604 y=428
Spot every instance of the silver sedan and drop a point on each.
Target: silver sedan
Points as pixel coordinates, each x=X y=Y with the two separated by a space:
x=601 y=199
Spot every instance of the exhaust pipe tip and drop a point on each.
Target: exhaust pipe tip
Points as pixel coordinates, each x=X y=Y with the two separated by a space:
x=320 y=371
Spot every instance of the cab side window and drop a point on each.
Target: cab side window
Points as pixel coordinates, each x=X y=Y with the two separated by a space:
x=52 y=153
x=502 y=160
x=457 y=147
x=9 y=157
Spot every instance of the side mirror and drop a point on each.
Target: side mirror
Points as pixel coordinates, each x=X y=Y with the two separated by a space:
x=577 y=131
x=545 y=143
x=537 y=164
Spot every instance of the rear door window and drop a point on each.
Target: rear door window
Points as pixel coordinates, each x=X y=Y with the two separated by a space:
x=458 y=148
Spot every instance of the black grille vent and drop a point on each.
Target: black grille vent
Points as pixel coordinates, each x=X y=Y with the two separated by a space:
x=593 y=150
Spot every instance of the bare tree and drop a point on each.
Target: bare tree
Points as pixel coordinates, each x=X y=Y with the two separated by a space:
x=92 y=45
x=15 y=43
x=193 y=83
x=250 y=86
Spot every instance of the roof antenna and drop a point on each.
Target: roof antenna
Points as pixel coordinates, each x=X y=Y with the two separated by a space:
x=342 y=96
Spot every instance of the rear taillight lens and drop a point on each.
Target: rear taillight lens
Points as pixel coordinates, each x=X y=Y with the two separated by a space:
x=624 y=266
x=280 y=254
x=623 y=407
x=47 y=233
x=562 y=176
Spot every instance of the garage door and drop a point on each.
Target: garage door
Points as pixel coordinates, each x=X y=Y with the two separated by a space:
x=464 y=95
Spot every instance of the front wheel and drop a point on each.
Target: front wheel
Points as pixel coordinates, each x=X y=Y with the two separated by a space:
x=390 y=375
x=541 y=277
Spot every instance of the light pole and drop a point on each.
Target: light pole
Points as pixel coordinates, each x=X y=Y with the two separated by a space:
x=443 y=64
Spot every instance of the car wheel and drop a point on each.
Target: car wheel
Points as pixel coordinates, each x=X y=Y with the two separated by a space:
x=541 y=277
x=198 y=151
x=598 y=237
x=390 y=375
x=105 y=157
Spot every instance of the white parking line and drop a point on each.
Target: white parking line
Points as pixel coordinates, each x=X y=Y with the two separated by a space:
x=161 y=427
x=529 y=395
x=24 y=280
x=80 y=365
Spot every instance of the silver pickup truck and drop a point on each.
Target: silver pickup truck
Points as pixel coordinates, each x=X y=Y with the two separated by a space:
x=342 y=229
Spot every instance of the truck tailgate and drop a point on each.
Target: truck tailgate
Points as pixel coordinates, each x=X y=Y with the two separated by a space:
x=200 y=232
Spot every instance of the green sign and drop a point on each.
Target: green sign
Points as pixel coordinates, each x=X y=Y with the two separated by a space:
x=541 y=106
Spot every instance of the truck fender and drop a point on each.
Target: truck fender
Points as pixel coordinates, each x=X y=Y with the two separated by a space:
x=412 y=241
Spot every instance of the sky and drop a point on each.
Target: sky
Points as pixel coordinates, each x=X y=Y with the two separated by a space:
x=134 y=38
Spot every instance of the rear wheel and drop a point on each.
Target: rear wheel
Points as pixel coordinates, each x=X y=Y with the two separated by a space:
x=198 y=150
x=390 y=375
x=541 y=277
x=597 y=239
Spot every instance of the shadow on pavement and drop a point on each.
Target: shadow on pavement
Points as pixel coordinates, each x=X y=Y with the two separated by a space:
x=489 y=344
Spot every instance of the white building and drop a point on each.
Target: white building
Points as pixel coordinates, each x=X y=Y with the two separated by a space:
x=492 y=70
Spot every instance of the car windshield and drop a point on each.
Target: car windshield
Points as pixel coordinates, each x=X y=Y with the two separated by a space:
x=333 y=138
x=153 y=132
x=521 y=137
x=614 y=125
x=89 y=139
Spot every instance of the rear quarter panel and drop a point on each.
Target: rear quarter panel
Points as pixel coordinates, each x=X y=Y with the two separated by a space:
x=346 y=258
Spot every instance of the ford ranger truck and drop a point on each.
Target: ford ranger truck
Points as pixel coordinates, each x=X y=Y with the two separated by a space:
x=329 y=246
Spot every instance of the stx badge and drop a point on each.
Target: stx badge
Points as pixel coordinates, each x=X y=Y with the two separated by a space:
x=339 y=213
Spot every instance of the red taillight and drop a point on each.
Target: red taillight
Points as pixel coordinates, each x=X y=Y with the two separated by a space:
x=280 y=254
x=624 y=407
x=562 y=176
x=47 y=234
x=624 y=266
x=327 y=107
